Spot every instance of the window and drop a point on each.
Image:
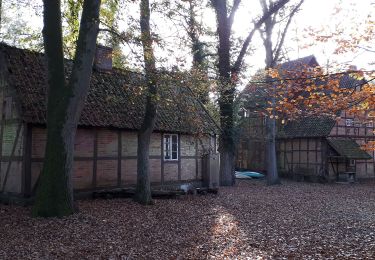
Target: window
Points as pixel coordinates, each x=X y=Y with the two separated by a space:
x=349 y=122
x=170 y=147
x=370 y=124
x=352 y=163
x=243 y=113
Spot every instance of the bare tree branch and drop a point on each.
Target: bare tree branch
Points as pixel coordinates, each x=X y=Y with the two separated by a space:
x=281 y=42
x=366 y=49
x=236 y=3
x=273 y=9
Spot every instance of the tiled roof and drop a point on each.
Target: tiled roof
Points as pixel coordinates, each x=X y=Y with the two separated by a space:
x=115 y=98
x=254 y=97
x=348 y=148
x=293 y=65
x=307 y=127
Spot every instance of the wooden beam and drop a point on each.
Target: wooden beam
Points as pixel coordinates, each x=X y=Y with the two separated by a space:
x=119 y=158
x=27 y=160
x=95 y=158
x=179 y=156
x=196 y=159
x=162 y=159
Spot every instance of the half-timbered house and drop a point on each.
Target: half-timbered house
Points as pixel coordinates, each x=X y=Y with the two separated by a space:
x=105 y=153
x=316 y=148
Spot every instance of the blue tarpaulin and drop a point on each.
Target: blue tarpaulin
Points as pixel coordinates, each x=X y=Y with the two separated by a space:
x=248 y=175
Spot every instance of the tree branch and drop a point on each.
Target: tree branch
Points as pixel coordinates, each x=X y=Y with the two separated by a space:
x=236 y=3
x=281 y=42
x=273 y=9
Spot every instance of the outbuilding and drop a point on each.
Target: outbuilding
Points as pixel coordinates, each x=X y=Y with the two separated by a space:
x=105 y=153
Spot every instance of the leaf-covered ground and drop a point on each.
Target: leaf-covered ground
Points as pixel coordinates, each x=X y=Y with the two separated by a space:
x=249 y=221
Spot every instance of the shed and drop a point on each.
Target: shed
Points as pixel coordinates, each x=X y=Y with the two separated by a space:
x=105 y=153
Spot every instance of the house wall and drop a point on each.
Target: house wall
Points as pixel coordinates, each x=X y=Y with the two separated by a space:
x=361 y=132
x=108 y=158
x=12 y=138
x=302 y=155
x=250 y=150
x=301 y=158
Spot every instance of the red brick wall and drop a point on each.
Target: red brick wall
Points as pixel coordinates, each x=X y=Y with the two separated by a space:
x=107 y=143
x=84 y=143
x=100 y=167
x=106 y=173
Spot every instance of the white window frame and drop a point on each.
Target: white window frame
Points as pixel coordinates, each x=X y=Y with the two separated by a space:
x=168 y=147
x=352 y=163
x=349 y=122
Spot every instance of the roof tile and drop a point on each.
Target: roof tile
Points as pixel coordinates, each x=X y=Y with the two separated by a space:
x=115 y=99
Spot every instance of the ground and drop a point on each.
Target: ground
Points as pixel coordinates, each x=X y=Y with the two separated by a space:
x=248 y=221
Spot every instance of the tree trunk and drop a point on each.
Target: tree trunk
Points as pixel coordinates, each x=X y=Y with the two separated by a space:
x=227 y=89
x=272 y=174
x=227 y=80
x=226 y=142
x=199 y=67
x=54 y=196
x=272 y=56
x=226 y=166
x=143 y=190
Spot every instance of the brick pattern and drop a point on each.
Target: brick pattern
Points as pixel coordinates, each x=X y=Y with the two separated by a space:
x=155 y=170
x=84 y=143
x=170 y=172
x=187 y=145
x=107 y=143
x=38 y=144
x=107 y=168
x=82 y=174
x=129 y=172
x=155 y=148
x=106 y=174
x=129 y=143
x=188 y=169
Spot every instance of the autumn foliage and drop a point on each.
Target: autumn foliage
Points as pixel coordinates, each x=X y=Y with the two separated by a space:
x=310 y=91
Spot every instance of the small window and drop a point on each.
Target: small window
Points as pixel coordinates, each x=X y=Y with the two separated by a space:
x=352 y=163
x=349 y=122
x=170 y=147
x=370 y=124
x=243 y=113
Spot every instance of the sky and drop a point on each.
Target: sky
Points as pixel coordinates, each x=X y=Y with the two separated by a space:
x=319 y=14
x=314 y=13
